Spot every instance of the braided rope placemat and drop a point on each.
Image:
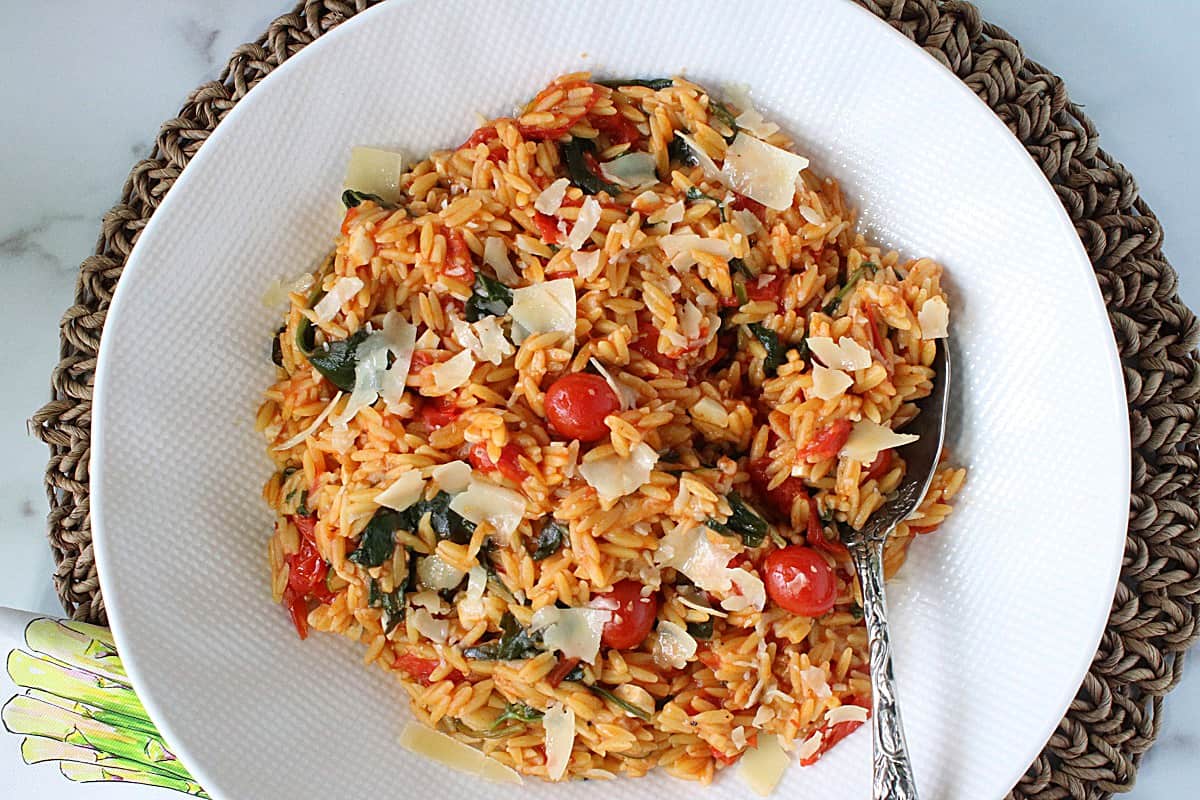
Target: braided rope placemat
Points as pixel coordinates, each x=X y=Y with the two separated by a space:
x=1116 y=715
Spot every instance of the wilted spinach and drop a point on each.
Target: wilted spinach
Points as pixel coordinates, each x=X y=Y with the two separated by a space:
x=578 y=170
x=833 y=305
x=770 y=342
x=742 y=522
x=489 y=297
x=649 y=83
x=352 y=198
x=515 y=643
x=377 y=541
x=549 y=539
x=701 y=631
x=519 y=712
x=391 y=602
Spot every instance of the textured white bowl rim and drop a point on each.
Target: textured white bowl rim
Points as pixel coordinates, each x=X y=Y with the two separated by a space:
x=113 y=594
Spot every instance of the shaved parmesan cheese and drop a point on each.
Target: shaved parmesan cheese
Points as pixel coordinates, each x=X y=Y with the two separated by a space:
x=614 y=476
x=762 y=171
x=542 y=308
x=404 y=491
x=361 y=248
x=485 y=338
x=934 y=318
x=433 y=629
x=846 y=353
x=630 y=170
x=709 y=410
x=484 y=501
x=452 y=477
x=435 y=573
x=692 y=552
x=451 y=374
x=635 y=696
x=429 y=340
x=278 y=290
x=811 y=746
x=586 y=264
x=343 y=438
x=376 y=172
x=764 y=715
x=747 y=221
x=470 y=607
x=495 y=255
x=752 y=122
x=372 y=354
x=763 y=766
x=425 y=741
x=342 y=292
x=690 y=317
x=559 y=723
x=678 y=248
x=816 y=682
x=625 y=394
x=738 y=737
x=550 y=200
x=573 y=631
x=847 y=713
x=316 y=423
x=589 y=216
x=430 y=600
x=401 y=336
x=698 y=607
x=702 y=158
x=829 y=383
x=751 y=591
x=868 y=438
x=673 y=645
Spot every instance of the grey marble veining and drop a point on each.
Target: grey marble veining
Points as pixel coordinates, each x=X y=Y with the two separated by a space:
x=88 y=83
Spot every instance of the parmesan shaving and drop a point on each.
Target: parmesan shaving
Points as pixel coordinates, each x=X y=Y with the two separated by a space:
x=630 y=170
x=673 y=213
x=344 y=289
x=542 y=308
x=679 y=248
x=811 y=746
x=762 y=767
x=934 y=318
x=816 y=682
x=401 y=336
x=625 y=394
x=847 y=713
x=581 y=231
x=279 y=290
x=587 y=265
x=446 y=750
x=690 y=551
x=559 y=724
x=374 y=171
x=710 y=611
x=435 y=573
x=762 y=171
x=451 y=374
x=845 y=354
x=311 y=429
x=429 y=627
x=829 y=383
x=372 y=354
x=673 y=645
x=614 y=476
x=575 y=632
x=751 y=593
x=484 y=501
x=709 y=410
x=867 y=438
x=702 y=158
x=452 y=477
x=403 y=492
x=550 y=200
x=495 y=255
x=752 y=122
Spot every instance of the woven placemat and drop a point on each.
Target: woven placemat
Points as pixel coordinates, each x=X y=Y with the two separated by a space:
x=1117 y=713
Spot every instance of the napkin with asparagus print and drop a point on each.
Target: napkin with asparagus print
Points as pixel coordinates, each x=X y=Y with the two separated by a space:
x=69 y=713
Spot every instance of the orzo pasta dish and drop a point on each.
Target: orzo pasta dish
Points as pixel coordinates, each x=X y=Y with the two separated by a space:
x=568 y=424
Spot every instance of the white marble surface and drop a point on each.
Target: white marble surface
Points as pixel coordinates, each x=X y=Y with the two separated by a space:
x=90 y=82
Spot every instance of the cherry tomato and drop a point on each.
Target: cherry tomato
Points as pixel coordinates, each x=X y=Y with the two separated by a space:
x=832 y=734
x=489 y=136
x=438 y=412
x=783 y=497
x=881 y=465
x=743 y=203
x=561 y=670
x=800 y=581
x=724 y=759
x=565 y=103
x=826 y=442
x=768 y=287
x=457 y=264
x=417 y=668
x=646 y=343
x=547 y=227
x=306 y=568
x=298 y=609
x=633 y=617
x=816 y=531
x=509 y=464
x=577 y=404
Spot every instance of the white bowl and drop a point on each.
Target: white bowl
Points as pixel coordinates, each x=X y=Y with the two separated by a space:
x=996 y=617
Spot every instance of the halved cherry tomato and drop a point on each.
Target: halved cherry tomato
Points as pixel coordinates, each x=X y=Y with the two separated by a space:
x=799 y=580
x=832 y=734
x=509 y=464
x=633 y=617
x=816 y=531
x=576 y=405
x=483 y=135
x=547 y=227
x=881 y=465
x=618 y=127
x=646 y=343
x=576 y=100
x=438 y=412
x=298 y=609
x=417 y=668
x=826 y=442
x=307 y=571
x=783 y=497
x=561 y=670
x=768 y=287
x=458 y=263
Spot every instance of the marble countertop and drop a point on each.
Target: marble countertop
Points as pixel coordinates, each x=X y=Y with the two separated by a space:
x=91 y=82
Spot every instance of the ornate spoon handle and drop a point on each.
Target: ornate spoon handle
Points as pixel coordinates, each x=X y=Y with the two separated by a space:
x=893 y=775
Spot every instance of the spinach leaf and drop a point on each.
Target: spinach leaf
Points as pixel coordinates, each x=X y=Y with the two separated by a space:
x=743 y=522
x=575 y=675
x=519 y=712
x=737 y=265
x=337 y=360
x=695 y=195
x=640 y=713
x=722 y=112
x=770 y=341
x=494 y=581
x=515 y=643
x=446 y=523
x=677 y=150
x=578 y=170
x=856 y=610
x=701 y=630
x=833 y=305
x=649 y=83
x=549 y=540
x=377 y=541
x=277 y=347
x=352 y=198
x=391 y=602
x=739 y=289
x=489 y=298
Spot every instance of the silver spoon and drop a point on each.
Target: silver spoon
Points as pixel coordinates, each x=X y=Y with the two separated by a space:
x=893 y=774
